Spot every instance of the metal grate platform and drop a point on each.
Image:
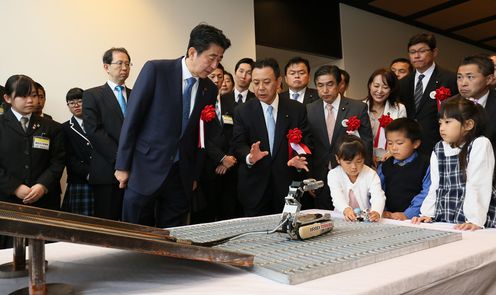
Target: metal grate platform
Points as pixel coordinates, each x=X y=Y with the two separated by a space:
x=348 y=246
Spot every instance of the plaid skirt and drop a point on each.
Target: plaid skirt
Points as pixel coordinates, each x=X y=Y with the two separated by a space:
x=78 y=199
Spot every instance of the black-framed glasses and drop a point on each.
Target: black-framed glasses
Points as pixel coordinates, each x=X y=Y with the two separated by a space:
x=121 y=63
x=420 y=51
x=75 y=102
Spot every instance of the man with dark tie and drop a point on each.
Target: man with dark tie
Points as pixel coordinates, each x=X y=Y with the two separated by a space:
x=159 y=160
x=260 y=142
x=474 y=78
x=297 y=76
x=242 y=80
x=326 y=118
x=104 y=109
x=418 y=89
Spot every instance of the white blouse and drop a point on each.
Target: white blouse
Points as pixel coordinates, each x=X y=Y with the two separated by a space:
x=368 y=182
x=478 y=190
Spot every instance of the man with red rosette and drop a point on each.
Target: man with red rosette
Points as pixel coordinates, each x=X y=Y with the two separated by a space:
x=159 y=156
x=330 y=118
x=270 y=139
x=418 y=89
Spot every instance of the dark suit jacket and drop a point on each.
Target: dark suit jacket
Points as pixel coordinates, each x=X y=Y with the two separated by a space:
x=324 y=152
x=230 y=96
x=20 y=163
x=78 y=152
x=103 y=120
x=311 y=95
x=221 y=142
x=272 y=170
x=151 y=134
x=426 y=114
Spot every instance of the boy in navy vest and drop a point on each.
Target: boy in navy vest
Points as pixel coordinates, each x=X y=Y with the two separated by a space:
x=405 y=176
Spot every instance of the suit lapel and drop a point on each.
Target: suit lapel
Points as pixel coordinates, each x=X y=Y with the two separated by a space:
x=76 y=128
x=281 y=124
x=13 y=123
x=34 y=123
x=261 y=128
x=111 y=100
x=432 y=85
x=342 y=114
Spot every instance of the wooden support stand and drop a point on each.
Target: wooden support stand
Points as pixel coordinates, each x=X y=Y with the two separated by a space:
x=18 y=267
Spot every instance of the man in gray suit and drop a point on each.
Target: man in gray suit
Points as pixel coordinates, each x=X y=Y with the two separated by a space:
x=327 y=120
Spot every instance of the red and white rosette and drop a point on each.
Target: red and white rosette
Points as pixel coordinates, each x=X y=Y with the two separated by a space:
x=380 y=138
x=207 y=115
x=352 y=124
x=441 y=94
x=294 y=137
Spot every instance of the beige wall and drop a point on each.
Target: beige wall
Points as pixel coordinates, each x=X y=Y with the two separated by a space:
x=60 y=43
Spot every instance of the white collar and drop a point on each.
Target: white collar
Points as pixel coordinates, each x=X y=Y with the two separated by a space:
x=19 y=116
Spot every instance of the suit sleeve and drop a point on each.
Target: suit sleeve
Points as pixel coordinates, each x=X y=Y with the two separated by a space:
x=74 y=164
x=213 y=141
x=51 y=176
x=137 y=108
x=240 y=139
x=93 y=125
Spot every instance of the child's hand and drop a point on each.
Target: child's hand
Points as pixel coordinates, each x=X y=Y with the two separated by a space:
x=22 y=191
x=467 y=226
x=374 y=216
x=386 y=214
x=398 y=216
x=36 y=192
x=349 y=215
x=417 y=220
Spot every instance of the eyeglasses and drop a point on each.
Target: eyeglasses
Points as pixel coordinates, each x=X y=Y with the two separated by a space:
x=420 y=51
x=75 y=102
x=120 y=63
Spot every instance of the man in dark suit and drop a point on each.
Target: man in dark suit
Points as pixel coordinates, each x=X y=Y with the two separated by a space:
x=78 y=196
x=328 y=78
x=104 y=109
x=474 y=78
x=418 y=88
x=41 y=101
x=260 y=142
x=218 y=180
x=242 y=80
x=158 y=157
x=297 y=76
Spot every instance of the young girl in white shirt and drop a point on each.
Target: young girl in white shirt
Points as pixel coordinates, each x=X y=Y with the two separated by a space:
x=352 y=182
x=462 y=169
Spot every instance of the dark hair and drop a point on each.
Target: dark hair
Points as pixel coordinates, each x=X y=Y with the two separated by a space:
x=109 y=54
x=390 y=79
x=19 y=85
x=74 y=93
x=220 y=66
x=203 y=35
x=245 y=60
x=230 y=75
x=485 y=64
x=426 y=38
x=328 y=70
x=296 y=60
x=268 y=62
x=38 y=86
x=462 y=110
x=350 y=146
x=403 y=60
x=409 y=127
x=346 y=76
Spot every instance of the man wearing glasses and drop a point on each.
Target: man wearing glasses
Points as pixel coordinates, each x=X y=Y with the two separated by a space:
x=104 y=109
x=418 y=89
x=79 y=194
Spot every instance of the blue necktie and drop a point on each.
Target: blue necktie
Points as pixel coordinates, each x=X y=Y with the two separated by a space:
x=295 y=96
x=271 y=126
x=419 y=91
x=120 y=99
x=187 y=101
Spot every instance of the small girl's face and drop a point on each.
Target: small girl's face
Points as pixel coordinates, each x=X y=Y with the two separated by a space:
x=452 y=131
x=379 y=91
x=352 y=168
x=23 y=105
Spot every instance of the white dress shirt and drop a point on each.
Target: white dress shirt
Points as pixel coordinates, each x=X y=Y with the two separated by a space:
x=186 y=75
x=478 y=188
x=427 y=75
x=368 y=182
x=301 y=94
